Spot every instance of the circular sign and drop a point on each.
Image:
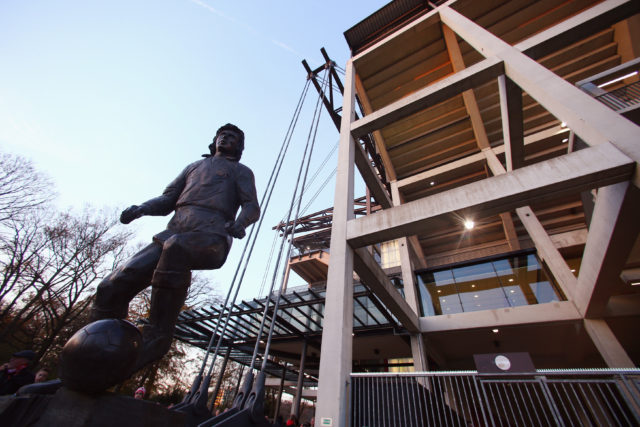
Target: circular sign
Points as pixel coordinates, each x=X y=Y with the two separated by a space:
x=502 y=362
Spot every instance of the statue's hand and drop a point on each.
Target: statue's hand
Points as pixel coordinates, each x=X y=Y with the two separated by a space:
x=131 y=213
x=234 y=229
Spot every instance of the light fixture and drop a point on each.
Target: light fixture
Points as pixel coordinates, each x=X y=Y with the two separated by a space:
x=573 y=270
x=432 y=183
x=439 y=291
x=473 y=286
x=495 y=331
x=616 y=80
x=635 y=283
x=512 y=291
x=475 y=296
x=565 y=140
x=469 y=224
x=444 y=300
x=511 y=280
x=563 y=125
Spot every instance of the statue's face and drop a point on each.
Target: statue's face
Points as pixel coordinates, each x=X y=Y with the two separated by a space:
x=227 y=143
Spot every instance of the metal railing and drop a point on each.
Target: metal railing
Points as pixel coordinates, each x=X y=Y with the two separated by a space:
x=466 y=398
x=621 y=98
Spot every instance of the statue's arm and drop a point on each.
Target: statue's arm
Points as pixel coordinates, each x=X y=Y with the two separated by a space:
x=249 y=206
x=161 y=205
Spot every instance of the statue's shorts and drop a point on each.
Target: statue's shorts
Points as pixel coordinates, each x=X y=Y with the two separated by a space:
x=180 y=252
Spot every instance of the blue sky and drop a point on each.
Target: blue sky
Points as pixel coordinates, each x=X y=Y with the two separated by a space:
x=112 y=99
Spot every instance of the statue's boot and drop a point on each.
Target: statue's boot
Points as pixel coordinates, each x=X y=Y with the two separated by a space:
x=110 y=303
x=169 y=291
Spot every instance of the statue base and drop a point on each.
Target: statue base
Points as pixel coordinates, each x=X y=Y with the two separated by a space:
x=71 y=409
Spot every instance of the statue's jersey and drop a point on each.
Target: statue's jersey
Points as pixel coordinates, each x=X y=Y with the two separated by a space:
x=205 y=196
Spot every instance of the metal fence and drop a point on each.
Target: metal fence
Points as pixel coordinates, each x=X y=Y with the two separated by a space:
x=543 y=398
x=622 y=98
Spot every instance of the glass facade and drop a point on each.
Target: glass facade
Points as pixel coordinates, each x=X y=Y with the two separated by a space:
x=500 y=283
x=389 y=254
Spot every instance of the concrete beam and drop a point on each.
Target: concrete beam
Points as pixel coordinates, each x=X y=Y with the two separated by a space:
x=477 y=158
x=512 y=122
x=577 y=27
x=623 y=305
x=479 y=130
x=442 y=90
x=469 y=98
x=569 y=239
x=510 y=231
x=370 y=177
x=592 y=121
x=417 y=254
x=631 y=276
x=607 y=344
x=613 y=232
x=377 y=135
x=366 y=169
x=548 y=252
x=306 y=393
x=560 y=311
x=582 y=170
x=431 y=18
x=435 y=173
x=275 y=382
x=375 y=279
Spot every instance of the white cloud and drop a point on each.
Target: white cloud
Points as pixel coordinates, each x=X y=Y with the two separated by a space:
x=249 y=28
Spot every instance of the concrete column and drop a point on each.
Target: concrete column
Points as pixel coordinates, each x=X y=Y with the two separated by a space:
x=336 y=354
x=295 y=408
x=410 y=291
x=607 y=344
x=411 y=296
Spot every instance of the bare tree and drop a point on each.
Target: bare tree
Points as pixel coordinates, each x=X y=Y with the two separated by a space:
x=50 y=263
x=50 y=268
x=20 y=247
x=22 y=187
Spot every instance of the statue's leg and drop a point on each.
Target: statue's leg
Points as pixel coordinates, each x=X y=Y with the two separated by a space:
x=170 y=285
x=169 y=291
x=117 y=289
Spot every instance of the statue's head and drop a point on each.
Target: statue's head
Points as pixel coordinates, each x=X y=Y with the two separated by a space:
x=225 y=143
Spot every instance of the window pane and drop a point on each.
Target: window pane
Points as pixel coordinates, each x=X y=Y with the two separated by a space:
x=510 y=282
x=544 y=292
x=450 y=304
x=442 y=278
x=426 y=304
x=503 y=266
x=516 y=296
x=474 y=272
x=484 y=299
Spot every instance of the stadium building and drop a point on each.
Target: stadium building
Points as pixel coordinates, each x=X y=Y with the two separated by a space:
x=498 y=141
